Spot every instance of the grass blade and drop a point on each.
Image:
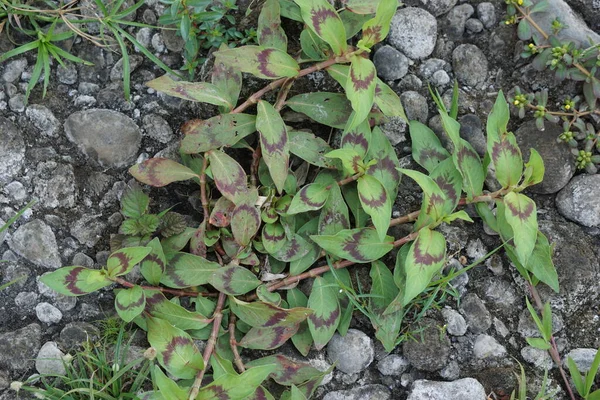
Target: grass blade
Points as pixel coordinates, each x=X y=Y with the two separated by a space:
x=20 y=50
x=126 y=65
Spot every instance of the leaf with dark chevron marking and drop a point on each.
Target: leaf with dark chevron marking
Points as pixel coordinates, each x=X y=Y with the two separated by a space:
x=153 y=266
x=229 y=176
x=388 y=101
x=268 y=338
x=521 y=215
x=235 y=387
x=426 y=147
x=203 y=92
x=233 y=280
x=130 y=303
x=302 y=340
x=361 y=6
x=159 y=172
x=220 y=216
x=228 y=79
x=449 y=180
x=288 y=371
x=122 y=261
x=358 y=245
x=386 y=164
x=426 y=257
x=293 y=249
x=376 y=202
x=273 y=142
x=262 y=62
x=360 y=89
x=383 y=292
x=245 y=222
x=434 y=204
x=76 y=281
x=311 y=197
x=351 y=161
x=323 y=300
x=259 y=314
x=185 y=270
x=353 y=22
x=331 y=109
x=322 y=19
x=269 y=30
x=213 y=133
x=273 y=237
x=357 y=139
x=176 y=350
x=158 y=306
x=334 y=215
x=377 y=28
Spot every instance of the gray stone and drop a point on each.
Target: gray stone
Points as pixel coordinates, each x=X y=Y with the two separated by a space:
x=583 y=358
x=78 y=333
x=12 y=150
x=451 y=371
x=19 y=348
x=26 y=300
x=395 y=130
x=88 y=229
x=393 y=365
x=88 y=88
x=477 y=316
x=438 y=7
x=473 y=25
x=36 y=242
x=413 y=31
x=486 y=347
x=116 y=73
x=172 y=41
x=158 y=43
x=4 y=379
x=440 y=78
x=144 y=36
x=390 y=63
x=13 y=69
x=559 y=163
x=415 y=106
x=456 y=20
x=367 y=392
x=476 y=249
x=538 y=357
x=351 y=353
x=83 y=259
x=410 y=82
x=455 y=323
x=469 y=64
x=487 y=14
x=157 y=128
x=500 y=293
x=109 y=137
x=471 y=129
x=47 y=313
x=43 y=119
x=84 y=101
x=579 y=201
x=528 y=328
x=67 y=75
x=17 y=103
x=55 y=188
x=16 y=191
x=575 y=29
x=431 y=348
x=50 y=360
x=430 y=66
x=462 y=389
x=149 y=17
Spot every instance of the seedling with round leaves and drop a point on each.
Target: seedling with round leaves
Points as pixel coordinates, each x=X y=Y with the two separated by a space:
x=281 y=206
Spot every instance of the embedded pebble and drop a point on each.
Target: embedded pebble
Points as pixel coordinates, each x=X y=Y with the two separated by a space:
x=415 y=106
x=393 y=365
x=432 y=349
x=351 y=353
x=487 y=14
x=579 y=201
x=462 y=389
x=455 y=323
x=43 y=119
x=36 y=242
x=539 y=358
x=469 y=64
x=413 y=31
x=390 y=63
x=476 y=314
x=47 y=313
x=457 y=19
x=13 y=69
x=50 y=360
x=486 y=346
x=583 y=358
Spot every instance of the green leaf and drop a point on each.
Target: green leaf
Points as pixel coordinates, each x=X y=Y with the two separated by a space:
x=524 y=30
x=462 y=214
x=288 y=371
x=547 y=320
x=176 y=350
x=334 y=214
x=353 y=22
x=166 y=385
x=331 y=109
x=521 y=215
x=311 y=197
x=310 y=148
x=357 y=245
x=383 y=289
x=376 y=202
x=350 y=193
x=302 y=340
x=273 y=237
x=259 y=314
x=245 y=222
x=323 y=300
x=265 y=63
x=153 y=266
x=76 y=281
x=322 y=18
x=159 y=172
x=220 y=216
x=376 y=29
x=130 y=303
x=185 y=270
x=449 y=180
x=134 y=202
x=293 y=249
x=216 y=132
x=229 y=176
x=122 y=261
x=427 y=150
x=313 y=46
x=351 y=160
x=268 y=338
x=591 y=374
x=435 y=203
x=538 y=343
x=233 y=280
x=425 y=259
x=228 y=79
x=384 y=162
x=534 y=169
x=273 y=142
x=361 y=6
x=360 y=88
x=269 y=30
x=357 y=139
x=575 y=376
x=388 y=101
x=540 y=263
x=158 y=306
x=203 y=92
x=236 y=386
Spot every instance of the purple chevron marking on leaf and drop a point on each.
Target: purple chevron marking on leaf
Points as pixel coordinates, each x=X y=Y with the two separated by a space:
x=130 y=305
x=361 y=84
x=71 y=281
x=503 y=146
x=177 y=341
x=322 y=322
x=374 y=202
x=426 y=258
x=320 y=16
x=263 y=63
x=518 y=213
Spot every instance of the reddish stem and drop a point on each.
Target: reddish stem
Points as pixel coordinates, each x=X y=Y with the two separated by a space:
x=176 y=292
x=233 y=344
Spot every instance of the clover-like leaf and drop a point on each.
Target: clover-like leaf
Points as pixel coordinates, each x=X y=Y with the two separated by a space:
x=262 y=62
x=273 y=142
x=122 y=261
x=176 y=350
x=186 y=270
x=358 y=245
x=323 y=322
x=323 y=20
x=360 y=89
x=521 y=214
x=76 y=281
x=245 y=222
x=193 y=91
x=233 y=280
x=130 y=303
x=376 y=202
x=425 y=259
x=213 y=133
x=331 y=109
x=159 y=172
x=269 y=30
x=229 y=176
